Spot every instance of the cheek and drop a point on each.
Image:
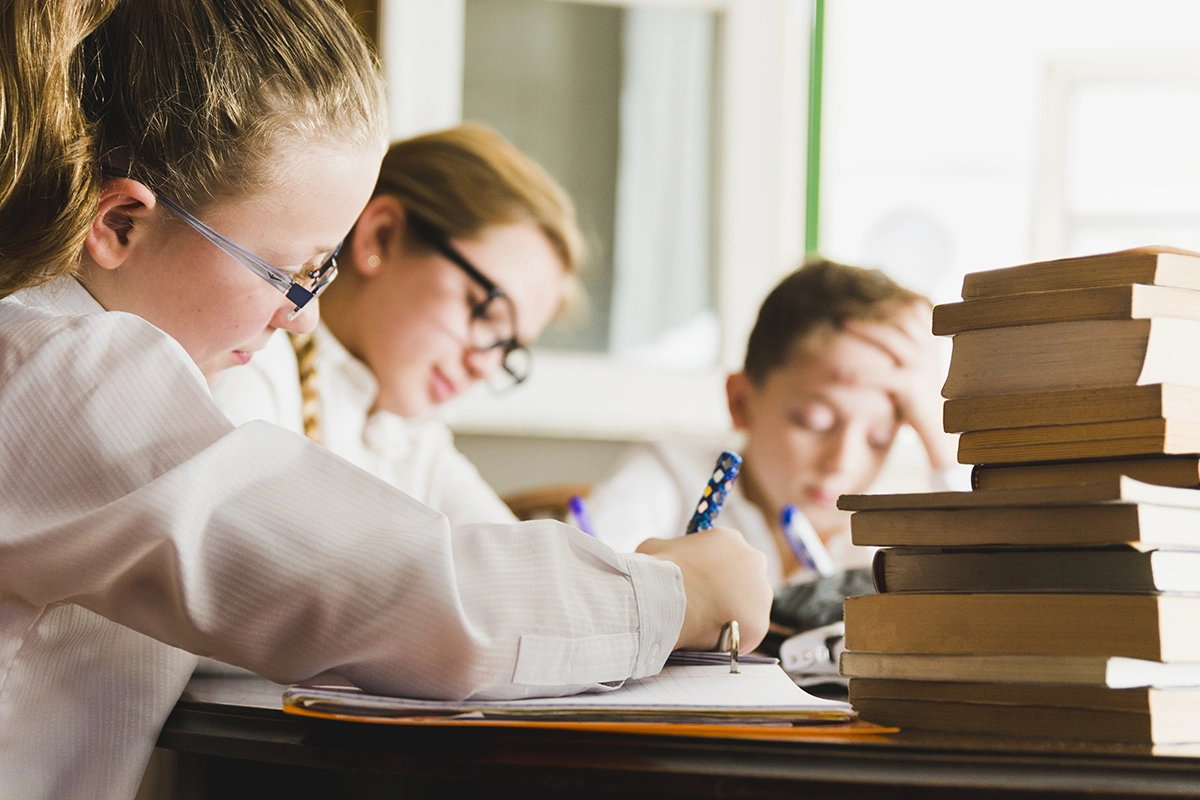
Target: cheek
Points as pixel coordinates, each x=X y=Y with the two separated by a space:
x=399 y=340
x=868 y=465
x=250 y=314
x=794 y=453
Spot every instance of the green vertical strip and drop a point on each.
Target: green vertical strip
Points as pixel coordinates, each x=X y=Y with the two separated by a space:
x=812 y=193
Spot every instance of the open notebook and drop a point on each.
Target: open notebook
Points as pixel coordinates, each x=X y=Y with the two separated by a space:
x=707 y=694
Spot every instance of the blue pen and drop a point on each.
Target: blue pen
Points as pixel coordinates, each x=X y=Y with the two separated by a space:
x=805 y=543
x=578 y=510
x=710 y=503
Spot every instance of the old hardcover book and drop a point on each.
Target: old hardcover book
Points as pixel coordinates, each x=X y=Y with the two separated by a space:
x=1150 y=627
x=1043 y=711
x=1115 y=673
x=1131 y=301
x=1117 y=489
x=1164 y=266
x=1180 y=471
x=1072 y=407
x=1124 y=438
x=1143 y=526
x=1120 y=569
x=1074 y=355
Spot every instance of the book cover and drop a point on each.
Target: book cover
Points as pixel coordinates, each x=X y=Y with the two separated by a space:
x=1182 y=472
x=1165 y=266
x=1072 y=407
x=1119 y=569
x=1131 y=301
x=1142 y=526
x=1073 y=355
x=1101 y=671
x=1151 y=627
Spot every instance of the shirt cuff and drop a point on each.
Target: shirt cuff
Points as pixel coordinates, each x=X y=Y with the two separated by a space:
x=661 y=602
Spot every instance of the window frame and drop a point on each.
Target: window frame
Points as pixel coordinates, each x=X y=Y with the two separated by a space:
x=762 y=101
x=1054 y=220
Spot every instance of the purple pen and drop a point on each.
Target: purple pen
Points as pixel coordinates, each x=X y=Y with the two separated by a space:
x=578 y=510
x=711 y=501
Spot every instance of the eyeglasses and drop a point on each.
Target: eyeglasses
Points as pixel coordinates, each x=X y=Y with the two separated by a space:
x=299 y=292
x=493 y=320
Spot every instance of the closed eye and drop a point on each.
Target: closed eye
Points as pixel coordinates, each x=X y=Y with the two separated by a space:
x=817 y=418
x=882 y=441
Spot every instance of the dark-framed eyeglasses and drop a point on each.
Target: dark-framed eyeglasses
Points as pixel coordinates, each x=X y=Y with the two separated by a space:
x=311 y=280
x=493 y=319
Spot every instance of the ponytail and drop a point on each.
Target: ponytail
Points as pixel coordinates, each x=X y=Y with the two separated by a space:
x=196 y=98
x=49 y=180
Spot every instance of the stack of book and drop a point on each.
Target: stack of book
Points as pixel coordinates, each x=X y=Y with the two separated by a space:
x=1061 y=598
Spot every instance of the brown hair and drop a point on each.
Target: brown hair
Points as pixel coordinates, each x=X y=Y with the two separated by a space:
x=819 y=296
x=464 y=179
x=190 y=97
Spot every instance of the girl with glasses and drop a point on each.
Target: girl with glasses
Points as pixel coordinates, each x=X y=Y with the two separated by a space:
x=463 y=255
x=138 y=527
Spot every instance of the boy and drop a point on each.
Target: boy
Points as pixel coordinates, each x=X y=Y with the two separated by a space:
x=839 y=359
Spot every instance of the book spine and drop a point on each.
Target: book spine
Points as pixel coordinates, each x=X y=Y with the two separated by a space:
x=878 y=577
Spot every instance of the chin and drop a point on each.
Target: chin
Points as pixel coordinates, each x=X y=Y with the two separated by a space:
x=404 y=406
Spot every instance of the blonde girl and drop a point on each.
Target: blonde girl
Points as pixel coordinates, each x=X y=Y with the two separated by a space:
x=461 y=258
x=176 y=177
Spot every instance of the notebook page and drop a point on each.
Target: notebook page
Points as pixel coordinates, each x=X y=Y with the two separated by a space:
x=758 y=689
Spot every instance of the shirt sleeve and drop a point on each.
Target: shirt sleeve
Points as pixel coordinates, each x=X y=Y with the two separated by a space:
x=266 y=388
x=124 y=490
x=641 y=500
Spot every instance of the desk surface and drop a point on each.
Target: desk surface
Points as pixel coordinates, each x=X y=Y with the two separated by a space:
x=233 y=740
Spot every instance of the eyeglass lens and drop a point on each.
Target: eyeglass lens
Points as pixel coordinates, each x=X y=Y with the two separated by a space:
x=493 y=323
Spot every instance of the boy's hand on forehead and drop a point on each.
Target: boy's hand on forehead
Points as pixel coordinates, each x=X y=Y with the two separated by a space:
x=909 y=344
x=914 y=382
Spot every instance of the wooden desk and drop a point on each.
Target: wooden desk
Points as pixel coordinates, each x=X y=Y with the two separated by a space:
x=228 y=738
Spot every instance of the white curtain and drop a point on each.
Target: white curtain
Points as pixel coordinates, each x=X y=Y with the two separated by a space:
x=662 y=275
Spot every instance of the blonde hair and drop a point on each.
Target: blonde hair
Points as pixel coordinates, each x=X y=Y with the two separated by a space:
x=464 y=179
x=189 y=97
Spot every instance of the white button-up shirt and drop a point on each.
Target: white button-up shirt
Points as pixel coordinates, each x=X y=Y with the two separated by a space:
x=138 y=526
x=416 y=456
x=653 y=493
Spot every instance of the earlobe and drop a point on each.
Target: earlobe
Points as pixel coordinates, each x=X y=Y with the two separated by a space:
x=124 y=204
x=377 y=234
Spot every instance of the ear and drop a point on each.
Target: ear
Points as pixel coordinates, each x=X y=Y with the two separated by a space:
x=737 y=391
x=378 y=232
x=124 y=205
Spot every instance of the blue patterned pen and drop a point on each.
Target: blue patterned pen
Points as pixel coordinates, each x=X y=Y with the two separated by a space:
x=710 y=503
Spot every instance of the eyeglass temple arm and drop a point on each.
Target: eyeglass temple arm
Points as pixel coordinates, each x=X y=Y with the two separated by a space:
x=267 y=271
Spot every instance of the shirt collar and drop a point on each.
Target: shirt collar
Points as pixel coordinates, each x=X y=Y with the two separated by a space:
x=355 y=376
x=65 y=297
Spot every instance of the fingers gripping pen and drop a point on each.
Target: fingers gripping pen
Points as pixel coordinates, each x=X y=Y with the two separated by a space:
x=724 y=474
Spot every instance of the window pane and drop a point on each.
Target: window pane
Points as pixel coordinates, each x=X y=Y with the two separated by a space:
x=1131 y=147
x=971 y=136
x=617 y=103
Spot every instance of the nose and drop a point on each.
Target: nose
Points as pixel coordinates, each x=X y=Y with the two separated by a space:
x=839 y=453
x=304 y=322
x=481 y=363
